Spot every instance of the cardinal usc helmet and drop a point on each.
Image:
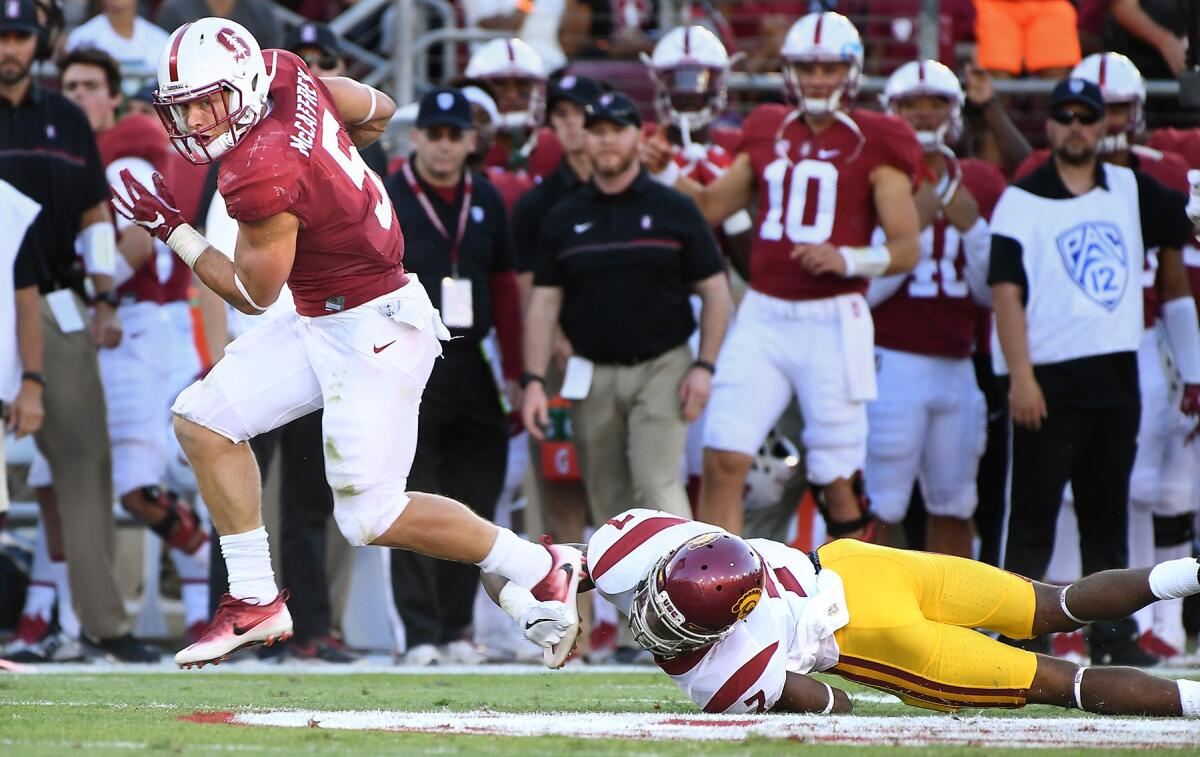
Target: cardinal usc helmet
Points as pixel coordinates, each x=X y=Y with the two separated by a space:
x=513 y=73
x=921 y=78
x=825 y=37
x=689 y=67
x=214 y=64
x=1121 y=83
x=695 y=594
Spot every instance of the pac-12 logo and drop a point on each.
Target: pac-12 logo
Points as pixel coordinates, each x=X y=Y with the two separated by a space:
x=230 y=40
x=1096 y=260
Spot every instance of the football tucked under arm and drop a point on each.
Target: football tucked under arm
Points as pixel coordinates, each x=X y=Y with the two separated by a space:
x=544 y=623
x=364 y=110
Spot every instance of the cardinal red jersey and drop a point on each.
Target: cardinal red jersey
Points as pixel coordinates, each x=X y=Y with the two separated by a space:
x=300 y=160
x=815 y=188
x=510 y=184
x=933 y=313
x=139 y=137
x=704 y=168
x=1169 y=169
x=745 y=671
x=1183 y=142
x=543 y=159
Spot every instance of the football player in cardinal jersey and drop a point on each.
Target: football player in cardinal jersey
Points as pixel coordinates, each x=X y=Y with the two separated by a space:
x=930 y=419
x=513 y=73
x=1164 y=486
x=136 y=373
x=825 y=178
x=738 y=624
x=361 y=342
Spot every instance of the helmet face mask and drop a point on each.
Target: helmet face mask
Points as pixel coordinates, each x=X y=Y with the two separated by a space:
x=208 y=142
x=821 y=38
x=515 y=77
x=689 y=67
x=1122 y=84
x=929 y=97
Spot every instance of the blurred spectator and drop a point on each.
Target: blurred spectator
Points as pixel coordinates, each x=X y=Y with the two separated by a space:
x=996 y=139
x=1034 y=36
x=457 y=242
x=321 y=49
x=1067 y=250
x=133 y=41
x=48 y=152
x=258 y=16
x=608 y=28
x=534 y=22
x=1151 y=33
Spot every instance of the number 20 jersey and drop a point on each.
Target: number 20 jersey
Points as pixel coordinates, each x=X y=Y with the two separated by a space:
x=299 y=159
x=816 y=187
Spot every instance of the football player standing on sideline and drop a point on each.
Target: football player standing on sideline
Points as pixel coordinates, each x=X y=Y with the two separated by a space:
x=929 y=423
x=361 y=343
x=825 y=179
x=1068 y=254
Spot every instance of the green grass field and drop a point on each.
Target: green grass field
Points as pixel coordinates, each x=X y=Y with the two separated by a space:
x=116 y=712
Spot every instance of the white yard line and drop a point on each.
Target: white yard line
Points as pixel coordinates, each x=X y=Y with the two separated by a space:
x=983 y=731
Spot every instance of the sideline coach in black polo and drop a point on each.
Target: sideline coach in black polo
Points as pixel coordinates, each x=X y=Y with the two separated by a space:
x=1069 y=244
x=48 y=152
x=616 y=261
x=456 y=241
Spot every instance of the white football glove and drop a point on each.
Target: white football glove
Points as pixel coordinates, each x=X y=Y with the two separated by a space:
x=1193 y=206
x=545 y=623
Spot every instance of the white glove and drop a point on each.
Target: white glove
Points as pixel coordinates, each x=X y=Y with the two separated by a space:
x=1193 y=206
x=545 y=623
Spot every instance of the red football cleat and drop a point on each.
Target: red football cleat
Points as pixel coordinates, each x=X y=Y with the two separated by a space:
x=237 y=625
x=561 y=584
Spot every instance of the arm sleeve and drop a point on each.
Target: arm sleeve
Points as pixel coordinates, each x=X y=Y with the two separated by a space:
x=1164 y=219
x=881 y=288
x=1005 y=264
x=525 y=230
x=94 y=189
x=977 y=244
x=701 y=255
x=898 y=146
x=546 y=269
x=25 y=267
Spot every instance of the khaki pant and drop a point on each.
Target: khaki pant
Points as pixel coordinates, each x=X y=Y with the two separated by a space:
x=630 y=434
x=74 y=440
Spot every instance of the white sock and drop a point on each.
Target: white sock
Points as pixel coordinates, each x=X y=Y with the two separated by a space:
x=67 y=619
x=1175 y=579
x=248 y=561
x=39 y=599
x=1189 y=697
x=522 y=562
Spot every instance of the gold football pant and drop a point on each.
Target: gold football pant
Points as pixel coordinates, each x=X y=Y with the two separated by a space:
x=912 y=616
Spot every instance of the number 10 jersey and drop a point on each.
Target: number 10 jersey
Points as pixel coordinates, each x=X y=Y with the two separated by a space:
x=816 y=187
x=299 y=159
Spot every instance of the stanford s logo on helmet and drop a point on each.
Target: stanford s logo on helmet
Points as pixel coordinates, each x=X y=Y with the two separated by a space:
x=211 y=71
x=695 y=594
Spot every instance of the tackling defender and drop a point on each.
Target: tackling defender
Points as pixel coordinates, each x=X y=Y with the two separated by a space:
x=361 y=342
x=738 y=624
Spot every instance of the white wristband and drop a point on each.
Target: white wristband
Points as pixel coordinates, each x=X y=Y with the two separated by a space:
x=866 y=261
x=187 y=243
x=737 y=223
x=516 y=600
x=828 y=707
x=1183 y=335
x=668 y=175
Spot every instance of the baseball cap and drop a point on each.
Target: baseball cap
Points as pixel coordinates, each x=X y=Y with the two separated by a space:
x=614 y=107
x=20 y=15
x=145 y=93
x=313 y=34
x=578 y=89
x=444 y=107
x=1075 y=90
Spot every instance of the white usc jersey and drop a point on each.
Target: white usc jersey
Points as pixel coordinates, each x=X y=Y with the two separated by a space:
x=791 y=628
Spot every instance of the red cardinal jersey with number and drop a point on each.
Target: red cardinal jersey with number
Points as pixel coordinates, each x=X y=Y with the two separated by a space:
x=815 y=188
x=745 y=671
x=139 y=137
x=1170 y=170
x=300 y=160
x=933 y=312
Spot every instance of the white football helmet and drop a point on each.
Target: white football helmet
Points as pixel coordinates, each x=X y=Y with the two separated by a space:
x=927 y=77
x=770 y=470
x=822 y=37
x=216 y=60
x=512 y=59
x=689 y=67
x=1120 y=82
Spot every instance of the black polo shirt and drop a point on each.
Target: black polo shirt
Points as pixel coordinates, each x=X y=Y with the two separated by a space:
x=626 y=264
x=48 y=152
x=1096 y=381
x=533 y=207
x=486 y=247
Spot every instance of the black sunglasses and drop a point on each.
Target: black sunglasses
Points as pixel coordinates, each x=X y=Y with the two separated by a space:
x=325 y=62
x=1068 y=117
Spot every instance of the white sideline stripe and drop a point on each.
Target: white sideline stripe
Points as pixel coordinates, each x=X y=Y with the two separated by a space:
x=842 y=729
